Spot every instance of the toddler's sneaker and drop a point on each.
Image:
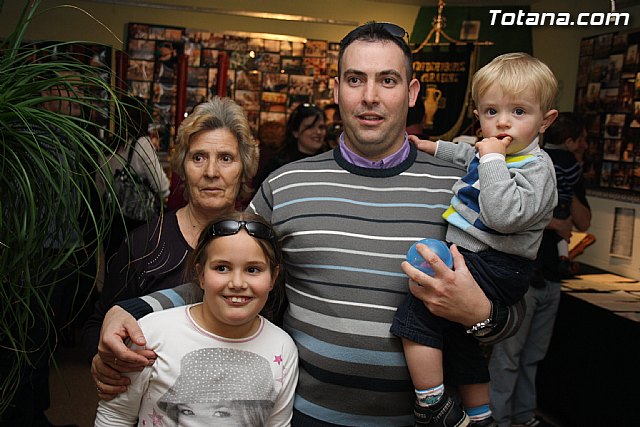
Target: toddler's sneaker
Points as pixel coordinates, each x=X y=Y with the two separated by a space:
x=445 y=413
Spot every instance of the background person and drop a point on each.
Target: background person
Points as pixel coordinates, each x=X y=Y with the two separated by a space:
x=224 y=364
x=144 y=162
x=216 y=157
x=352 y=370
x=514 y=362
x=304 y=137
x=571 y=132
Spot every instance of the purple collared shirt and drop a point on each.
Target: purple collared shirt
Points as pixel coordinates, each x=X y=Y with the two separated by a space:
x=388 y=162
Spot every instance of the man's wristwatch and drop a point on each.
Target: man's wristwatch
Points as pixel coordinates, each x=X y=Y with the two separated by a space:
x=485 y=327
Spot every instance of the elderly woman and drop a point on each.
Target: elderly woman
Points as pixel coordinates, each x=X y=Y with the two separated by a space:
x=216 y=157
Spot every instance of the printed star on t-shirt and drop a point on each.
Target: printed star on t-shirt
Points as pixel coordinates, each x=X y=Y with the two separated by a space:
x=278 y=359
x=156 y=418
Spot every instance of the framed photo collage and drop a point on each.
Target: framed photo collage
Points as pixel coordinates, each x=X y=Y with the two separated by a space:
x=269 y=78
x=608 y=96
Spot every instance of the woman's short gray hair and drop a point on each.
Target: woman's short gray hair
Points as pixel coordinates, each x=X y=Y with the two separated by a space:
x=219 y=113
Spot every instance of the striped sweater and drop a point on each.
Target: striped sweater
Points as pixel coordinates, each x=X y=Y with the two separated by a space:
x=504 y=205
x=568 y=173
x=344 y=231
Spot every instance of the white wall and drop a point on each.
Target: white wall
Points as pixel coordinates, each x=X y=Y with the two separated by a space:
x=603 y=211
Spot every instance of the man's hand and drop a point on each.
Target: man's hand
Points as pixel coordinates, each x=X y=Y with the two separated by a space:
x=454 y=295
x=493 y=145
x=117 y=326
x=115 y=357
x=424 y=145
x=109 y=382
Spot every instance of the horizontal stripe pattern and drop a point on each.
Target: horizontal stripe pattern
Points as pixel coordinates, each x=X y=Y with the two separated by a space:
x=344 y=236
x=345 y=418
x=361 y=187
x=567 y=170
x=357 y=202
x=165 y=298
x=514 y=206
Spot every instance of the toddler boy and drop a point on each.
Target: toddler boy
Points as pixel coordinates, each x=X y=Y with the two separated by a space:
x=497 y=215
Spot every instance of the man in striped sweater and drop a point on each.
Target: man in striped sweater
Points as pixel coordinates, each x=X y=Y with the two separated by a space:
x=345 y=219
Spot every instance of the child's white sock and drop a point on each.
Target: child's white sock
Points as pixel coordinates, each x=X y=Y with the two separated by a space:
x=430 y=396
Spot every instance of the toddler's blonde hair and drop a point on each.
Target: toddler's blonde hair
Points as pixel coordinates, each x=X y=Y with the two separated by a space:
x=514 y=73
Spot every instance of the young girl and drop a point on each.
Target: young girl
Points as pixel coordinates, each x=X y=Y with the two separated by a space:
x=219 y=362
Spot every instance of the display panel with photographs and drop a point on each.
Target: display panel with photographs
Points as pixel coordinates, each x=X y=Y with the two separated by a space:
x=153 y=52
x=267 y=77
x=608 y=95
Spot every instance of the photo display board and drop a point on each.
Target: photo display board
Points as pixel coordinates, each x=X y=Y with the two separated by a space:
x=608 y=96
x=269 y=78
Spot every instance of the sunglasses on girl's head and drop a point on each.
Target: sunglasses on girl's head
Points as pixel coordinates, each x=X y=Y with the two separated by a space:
x=230 y=227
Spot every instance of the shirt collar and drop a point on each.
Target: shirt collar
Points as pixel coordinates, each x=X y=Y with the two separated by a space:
x=529 y=149
x=388 y=162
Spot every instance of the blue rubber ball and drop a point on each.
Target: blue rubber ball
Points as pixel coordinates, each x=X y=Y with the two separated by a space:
x=438 y=246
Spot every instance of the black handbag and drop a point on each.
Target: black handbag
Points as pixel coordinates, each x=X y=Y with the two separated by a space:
x=136 y=198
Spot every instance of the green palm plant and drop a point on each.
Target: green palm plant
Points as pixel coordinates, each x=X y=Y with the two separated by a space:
x=51 y=211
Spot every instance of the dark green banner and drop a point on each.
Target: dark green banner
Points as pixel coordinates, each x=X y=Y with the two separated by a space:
x=444 y=77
